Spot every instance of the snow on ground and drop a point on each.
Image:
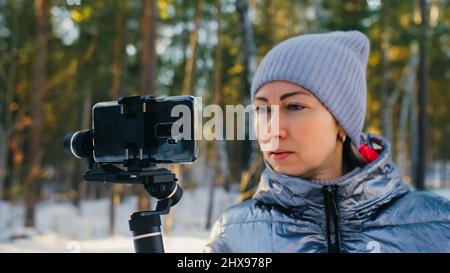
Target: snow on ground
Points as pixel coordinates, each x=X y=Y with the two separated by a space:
x=61 y=227
x=52 y=242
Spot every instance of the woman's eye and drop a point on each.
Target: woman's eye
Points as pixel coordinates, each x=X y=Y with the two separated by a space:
x=262 y=109
x=295 y=107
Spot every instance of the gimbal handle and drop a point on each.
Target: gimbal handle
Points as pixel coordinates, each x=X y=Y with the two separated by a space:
x=159 y=183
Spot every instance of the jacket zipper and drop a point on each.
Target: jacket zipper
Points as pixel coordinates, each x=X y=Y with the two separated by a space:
x=332 y=218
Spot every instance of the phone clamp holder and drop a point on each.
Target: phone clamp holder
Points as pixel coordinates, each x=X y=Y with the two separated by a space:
x=158 y=182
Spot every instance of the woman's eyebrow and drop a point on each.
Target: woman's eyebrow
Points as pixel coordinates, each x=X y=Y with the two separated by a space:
x=299 y=92
x=284 y=96
x=261 y=98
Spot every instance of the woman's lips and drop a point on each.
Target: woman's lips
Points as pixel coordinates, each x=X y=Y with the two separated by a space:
x=280 y=154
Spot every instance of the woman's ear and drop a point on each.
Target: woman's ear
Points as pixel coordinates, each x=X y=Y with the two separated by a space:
x=342 y=136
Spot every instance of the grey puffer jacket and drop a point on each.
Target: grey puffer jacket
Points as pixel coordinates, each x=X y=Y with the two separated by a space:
x=367 y=210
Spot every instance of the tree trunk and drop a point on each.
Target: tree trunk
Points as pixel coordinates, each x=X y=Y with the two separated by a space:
x=384 y=68
x=38 y=90
x=75 y=182
x=423 y=98
x=116 y=91
x=148 y=53
x=190 y=62
x=148 y=74
x=219 y=155
x=77 y=178
x=269 y=19
x=114 y=202
x=4 y=141
x=414 y=138
x=189 y=71
x=118 y=47
x=405 y=110
x=180 y=172
x=8 y=79
x=248 y=47
x=248 y=181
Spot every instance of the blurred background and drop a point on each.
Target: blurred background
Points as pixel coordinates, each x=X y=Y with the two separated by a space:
x=59 y=57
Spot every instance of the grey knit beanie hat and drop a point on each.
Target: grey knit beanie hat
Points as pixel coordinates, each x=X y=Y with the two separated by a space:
x=332 y=66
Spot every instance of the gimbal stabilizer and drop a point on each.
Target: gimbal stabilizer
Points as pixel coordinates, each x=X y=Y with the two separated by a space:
x=159 y=182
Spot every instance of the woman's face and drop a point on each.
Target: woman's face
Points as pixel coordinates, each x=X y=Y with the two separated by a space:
x=307 y=140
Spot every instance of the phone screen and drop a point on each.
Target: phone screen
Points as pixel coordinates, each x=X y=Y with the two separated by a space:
x=151 y=132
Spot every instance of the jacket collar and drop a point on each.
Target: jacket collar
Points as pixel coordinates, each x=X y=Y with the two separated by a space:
x=359 y=193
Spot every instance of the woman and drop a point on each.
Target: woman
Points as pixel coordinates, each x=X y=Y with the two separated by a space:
x=318 y=193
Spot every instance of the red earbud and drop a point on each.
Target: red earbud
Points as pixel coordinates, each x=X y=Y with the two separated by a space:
x=368 y=153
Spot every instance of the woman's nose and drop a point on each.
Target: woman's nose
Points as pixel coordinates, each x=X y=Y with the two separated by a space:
x=277 y=129
x=273 y=127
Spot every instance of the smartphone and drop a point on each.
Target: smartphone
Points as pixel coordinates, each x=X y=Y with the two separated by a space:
x=145 y=131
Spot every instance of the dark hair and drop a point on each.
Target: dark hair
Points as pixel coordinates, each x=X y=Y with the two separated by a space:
x=351 y=155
